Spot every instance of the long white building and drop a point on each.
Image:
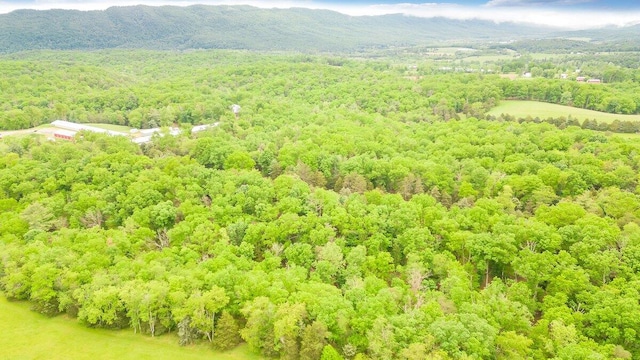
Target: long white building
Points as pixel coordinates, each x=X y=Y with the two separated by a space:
x=137 y=136
x=67 y=125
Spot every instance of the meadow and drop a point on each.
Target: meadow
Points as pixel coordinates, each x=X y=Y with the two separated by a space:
x=544 y=110
x=36 y=336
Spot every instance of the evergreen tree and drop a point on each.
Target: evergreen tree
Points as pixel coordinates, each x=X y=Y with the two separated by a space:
x=313 y=340
x=227 y=334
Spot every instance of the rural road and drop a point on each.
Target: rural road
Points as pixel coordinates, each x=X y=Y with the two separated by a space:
x=42 y=131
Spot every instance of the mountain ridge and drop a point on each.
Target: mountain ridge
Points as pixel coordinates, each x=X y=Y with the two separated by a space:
x=236 y=27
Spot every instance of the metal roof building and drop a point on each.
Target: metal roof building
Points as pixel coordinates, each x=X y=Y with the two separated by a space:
x=67 y=125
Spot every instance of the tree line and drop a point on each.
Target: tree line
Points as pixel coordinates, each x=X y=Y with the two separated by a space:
x=616 y=126
x=145 y=89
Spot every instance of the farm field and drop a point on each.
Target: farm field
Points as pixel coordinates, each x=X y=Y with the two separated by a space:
x=35 y=336
x=627 y=137
x=544 y=110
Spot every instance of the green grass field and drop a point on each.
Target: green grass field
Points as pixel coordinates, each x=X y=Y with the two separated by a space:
x=29 y=335
x=487 y=58
x=545 y=110
x=627 y=137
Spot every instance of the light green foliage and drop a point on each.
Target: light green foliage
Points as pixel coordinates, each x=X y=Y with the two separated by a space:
x=199 y=310
x=38 y=217
x=513 y=346
x=258 y=332
x=287 y=328
x=313 y=341
x=382 y=343
x=560 y=215
x=100 y=306
x=336 y=209
x=239 y=160
x=162 y=215
x=329 y=353
x=464 y=335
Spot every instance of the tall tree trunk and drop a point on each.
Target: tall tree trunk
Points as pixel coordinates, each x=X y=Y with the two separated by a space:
x=213 y=326
x=486 y=276
x=152 y=324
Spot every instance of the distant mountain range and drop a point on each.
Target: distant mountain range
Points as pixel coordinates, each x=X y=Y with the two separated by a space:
x=239 y=27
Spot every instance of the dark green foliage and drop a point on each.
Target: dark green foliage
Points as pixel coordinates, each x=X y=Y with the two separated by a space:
x=233 y=27
x=227 y=334
x=313 y=341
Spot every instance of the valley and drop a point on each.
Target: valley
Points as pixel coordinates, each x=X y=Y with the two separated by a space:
x=171 y=189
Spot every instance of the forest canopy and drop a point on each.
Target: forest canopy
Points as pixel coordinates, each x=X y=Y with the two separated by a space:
x=348 y=211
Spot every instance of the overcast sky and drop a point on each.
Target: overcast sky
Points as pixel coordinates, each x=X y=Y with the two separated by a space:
x=575 y=14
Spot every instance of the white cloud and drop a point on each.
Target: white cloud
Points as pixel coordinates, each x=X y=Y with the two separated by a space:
x=572 y=18
x=8 y=6
x=536 y=2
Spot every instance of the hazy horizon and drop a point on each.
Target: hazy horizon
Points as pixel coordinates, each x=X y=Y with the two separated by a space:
x=570 y=14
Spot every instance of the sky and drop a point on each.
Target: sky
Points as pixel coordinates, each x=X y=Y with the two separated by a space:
x=571 y=14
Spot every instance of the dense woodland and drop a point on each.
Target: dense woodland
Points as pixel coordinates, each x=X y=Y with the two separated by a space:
x=296 y=29
x=145 y=89
x=350 y=211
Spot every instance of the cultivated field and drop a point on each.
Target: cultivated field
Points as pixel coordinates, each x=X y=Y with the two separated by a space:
x=545 y=110
x=29 y=335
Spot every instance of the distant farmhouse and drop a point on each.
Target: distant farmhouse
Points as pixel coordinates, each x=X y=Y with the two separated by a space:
x=589 y=81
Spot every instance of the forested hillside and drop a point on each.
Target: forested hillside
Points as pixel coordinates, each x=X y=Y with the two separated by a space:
x=250 y=28
x=145 y=89
x=235 y=27
x=349 y=211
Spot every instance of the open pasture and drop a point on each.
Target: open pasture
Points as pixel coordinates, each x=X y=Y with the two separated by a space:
x=29 y=335
x=522 y=109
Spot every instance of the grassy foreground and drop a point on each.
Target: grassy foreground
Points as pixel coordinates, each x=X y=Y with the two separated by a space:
x=29 y=335
x=544 y=110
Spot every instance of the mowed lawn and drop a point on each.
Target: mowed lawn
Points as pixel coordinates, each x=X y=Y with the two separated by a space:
x=544 y=110
x=29 y=335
